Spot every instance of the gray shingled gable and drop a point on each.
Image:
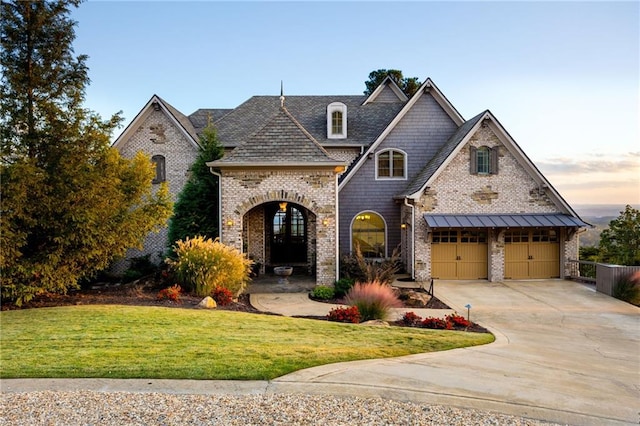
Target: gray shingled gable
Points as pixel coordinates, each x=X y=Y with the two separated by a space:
x=282 y=140
x=430 y=168
x=364 y=122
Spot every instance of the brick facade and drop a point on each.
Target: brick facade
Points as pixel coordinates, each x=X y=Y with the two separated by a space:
x=245 y=192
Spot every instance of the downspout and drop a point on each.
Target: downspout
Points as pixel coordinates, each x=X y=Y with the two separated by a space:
x=337 y=233
x=219 y=201
x=413 y=236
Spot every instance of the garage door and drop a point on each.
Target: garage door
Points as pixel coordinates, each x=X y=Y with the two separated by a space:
x=531 y=253
x=459 y=254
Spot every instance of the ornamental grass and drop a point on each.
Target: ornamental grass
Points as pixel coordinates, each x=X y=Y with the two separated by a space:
x=374 y=300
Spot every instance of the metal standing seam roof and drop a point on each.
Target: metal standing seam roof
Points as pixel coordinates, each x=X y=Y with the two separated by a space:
x=502 y=220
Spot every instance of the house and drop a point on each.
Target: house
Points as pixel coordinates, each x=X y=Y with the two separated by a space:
x=305 y=179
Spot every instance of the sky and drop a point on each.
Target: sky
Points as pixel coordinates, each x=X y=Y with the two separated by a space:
x=562 y=77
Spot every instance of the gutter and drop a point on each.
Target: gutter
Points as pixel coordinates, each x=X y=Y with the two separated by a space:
x=412 y=251
x=219 y=201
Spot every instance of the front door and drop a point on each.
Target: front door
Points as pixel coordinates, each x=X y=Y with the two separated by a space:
x=288 y=239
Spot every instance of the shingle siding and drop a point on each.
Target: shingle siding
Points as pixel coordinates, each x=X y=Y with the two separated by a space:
x=420 y=134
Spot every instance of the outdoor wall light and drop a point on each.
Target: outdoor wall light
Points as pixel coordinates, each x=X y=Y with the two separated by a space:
x=230 y=222
x=283 y=206
x=403 y=225
x=325 y=222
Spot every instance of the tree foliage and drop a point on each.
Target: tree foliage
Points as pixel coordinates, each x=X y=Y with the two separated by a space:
x=620 y=243
x=409 y=85
x=70 y=203
x=196 y=210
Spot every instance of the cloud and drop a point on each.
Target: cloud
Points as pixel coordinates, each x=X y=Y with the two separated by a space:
x=629 y=162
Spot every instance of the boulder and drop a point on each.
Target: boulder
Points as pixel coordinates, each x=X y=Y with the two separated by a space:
x=207 y=303
x=415 y=299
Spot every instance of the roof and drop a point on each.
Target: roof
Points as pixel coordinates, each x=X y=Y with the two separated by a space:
x=200 y=118
x=502 y=220
x=364 y=122
x=282 y=141
x=442 y=155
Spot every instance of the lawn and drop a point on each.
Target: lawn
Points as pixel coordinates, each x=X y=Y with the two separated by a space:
x=114 y=341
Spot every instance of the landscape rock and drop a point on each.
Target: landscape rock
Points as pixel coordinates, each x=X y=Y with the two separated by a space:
x=376 y=323
x=207 y=303
x=415 y=299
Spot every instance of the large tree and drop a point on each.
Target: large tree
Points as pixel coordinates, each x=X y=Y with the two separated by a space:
x=70 y=203
x=620 y=242
x=196 y=210
x=409 y=85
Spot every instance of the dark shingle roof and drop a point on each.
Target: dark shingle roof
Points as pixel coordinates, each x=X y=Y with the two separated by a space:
x=281 y=141
x=200 y=118
x=364 y=122
x=427 y=172
x=182 y=119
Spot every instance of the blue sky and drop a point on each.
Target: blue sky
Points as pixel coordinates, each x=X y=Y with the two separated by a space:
x=562 y=77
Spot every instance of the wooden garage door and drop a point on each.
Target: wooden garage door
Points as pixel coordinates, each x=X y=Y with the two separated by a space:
x=531 y=253
x=459 y=255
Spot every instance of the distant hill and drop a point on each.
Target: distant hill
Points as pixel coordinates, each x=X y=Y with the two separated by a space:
x=598 y=215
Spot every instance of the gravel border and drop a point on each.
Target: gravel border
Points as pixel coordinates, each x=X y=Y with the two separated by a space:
x=124 y=408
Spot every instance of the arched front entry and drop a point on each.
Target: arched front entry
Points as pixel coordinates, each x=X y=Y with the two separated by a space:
x=280 y=233
x=287 y=233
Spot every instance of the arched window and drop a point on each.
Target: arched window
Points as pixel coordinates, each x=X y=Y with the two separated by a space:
x=369 y=232
x=158 y=162
x=391 y=164
x=336 y=120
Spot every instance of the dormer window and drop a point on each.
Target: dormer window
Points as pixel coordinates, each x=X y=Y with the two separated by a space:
x=337 y=121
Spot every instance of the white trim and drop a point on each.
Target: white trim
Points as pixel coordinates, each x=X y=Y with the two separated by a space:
x=392 y=85
x=403 y=177
x=144 y=114
x=427 y=87
x=514 y=149
x=336 y=107
x=386 y=227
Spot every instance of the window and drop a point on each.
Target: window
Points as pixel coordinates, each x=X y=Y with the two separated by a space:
x=336 y=120
x=483 y=160
x=391 y=164
x=158 y=161
x=368 y=231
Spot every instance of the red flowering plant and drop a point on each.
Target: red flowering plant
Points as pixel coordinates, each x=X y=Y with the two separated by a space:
x=436 y=323
x=222 y=296
x=350 y=314
x=411 y=319
x=458 y=321
x=170 y=293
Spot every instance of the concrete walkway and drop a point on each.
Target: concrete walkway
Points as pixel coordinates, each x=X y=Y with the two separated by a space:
x=563 y=353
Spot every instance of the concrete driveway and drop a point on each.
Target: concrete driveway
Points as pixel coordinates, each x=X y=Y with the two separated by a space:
x=563 y=353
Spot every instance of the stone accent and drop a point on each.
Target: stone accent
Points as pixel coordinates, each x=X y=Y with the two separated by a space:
x=457 y=191
x=311 y=188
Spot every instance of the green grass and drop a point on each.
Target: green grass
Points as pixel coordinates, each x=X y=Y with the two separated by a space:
x=111 y=341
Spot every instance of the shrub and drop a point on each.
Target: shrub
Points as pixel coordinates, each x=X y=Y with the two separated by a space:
x=373 y=299
x=350 y=314
x=222 y=296
x=411 y=319
x=323 y=292
x=139 y=267
x=457 y=320
x=628 y=288
x=170 y=293
x=342 y=286
x=359 y=269
x=436 y=323
x=202 y=264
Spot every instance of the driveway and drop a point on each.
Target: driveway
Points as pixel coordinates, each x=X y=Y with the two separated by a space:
x=563 y=353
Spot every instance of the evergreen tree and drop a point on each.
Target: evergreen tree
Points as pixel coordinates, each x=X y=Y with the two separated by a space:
x=620 y=243
x=70 y=203
x=196 y=210
x=409 y=85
